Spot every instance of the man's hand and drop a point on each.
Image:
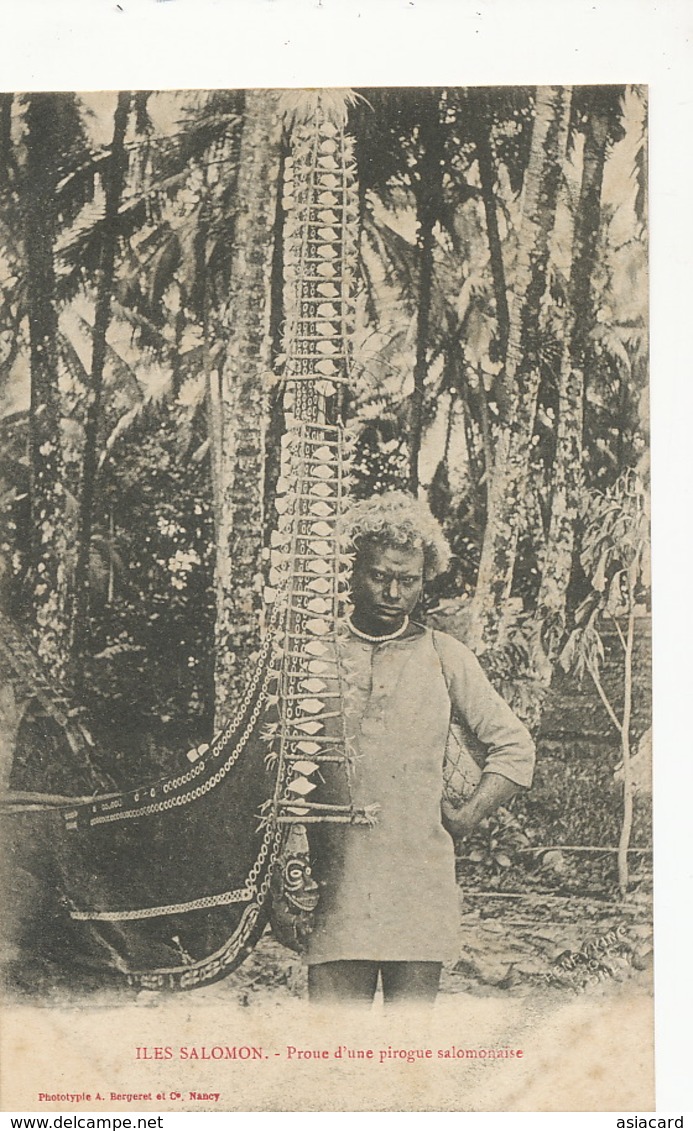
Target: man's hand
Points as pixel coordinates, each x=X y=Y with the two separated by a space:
x=493 y=790
x=459 y=820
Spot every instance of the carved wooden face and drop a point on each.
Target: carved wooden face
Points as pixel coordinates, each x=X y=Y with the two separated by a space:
x=298 y=886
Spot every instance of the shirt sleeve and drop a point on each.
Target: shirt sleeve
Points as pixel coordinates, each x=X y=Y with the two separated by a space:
x=509 y=749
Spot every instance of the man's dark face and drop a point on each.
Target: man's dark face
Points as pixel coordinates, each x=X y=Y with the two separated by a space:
x=385 y=587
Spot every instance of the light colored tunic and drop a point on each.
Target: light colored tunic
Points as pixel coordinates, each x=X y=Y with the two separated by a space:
x=389 y=891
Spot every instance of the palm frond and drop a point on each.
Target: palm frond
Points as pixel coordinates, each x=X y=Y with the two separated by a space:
x=331 y=104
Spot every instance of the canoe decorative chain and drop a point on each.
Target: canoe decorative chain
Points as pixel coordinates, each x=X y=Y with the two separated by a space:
x=171 y=883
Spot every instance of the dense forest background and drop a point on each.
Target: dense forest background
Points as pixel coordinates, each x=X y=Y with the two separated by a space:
x=499 y=369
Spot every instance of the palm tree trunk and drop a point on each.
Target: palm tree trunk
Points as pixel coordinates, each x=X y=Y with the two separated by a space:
x=475 y=416
x=244 y=402
x=428 y=201
x=627 y=822
x=481 y=127
x=523 y=362
x=6 y=101
x=276 y=418
x=567 y=469
x=50 y=549
x=113 y=190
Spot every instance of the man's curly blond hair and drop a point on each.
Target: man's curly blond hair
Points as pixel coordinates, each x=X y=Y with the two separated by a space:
x=399 y=521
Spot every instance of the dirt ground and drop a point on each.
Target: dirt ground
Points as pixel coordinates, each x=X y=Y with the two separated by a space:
x=510 y=945
x=558 y=946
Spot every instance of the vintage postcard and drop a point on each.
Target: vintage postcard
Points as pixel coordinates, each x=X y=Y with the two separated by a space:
x=326 y=663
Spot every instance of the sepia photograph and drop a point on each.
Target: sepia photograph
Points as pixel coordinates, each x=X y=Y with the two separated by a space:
x=326 y=688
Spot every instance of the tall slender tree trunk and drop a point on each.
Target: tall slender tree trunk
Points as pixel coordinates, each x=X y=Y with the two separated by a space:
x=522 y=370
x=568 y=464
x=50 y=553
x=114 y=180
x=627 y=822
x=10 y=203
x=243 y=401
x=6 y=101
x=474 y=417
x=428 y=202
x=481 y=122
x=276 y=425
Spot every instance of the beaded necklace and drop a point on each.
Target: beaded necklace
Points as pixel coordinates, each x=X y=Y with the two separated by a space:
x=378 y=639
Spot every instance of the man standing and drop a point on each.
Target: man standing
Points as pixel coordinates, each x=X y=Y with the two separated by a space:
x=389 y=904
